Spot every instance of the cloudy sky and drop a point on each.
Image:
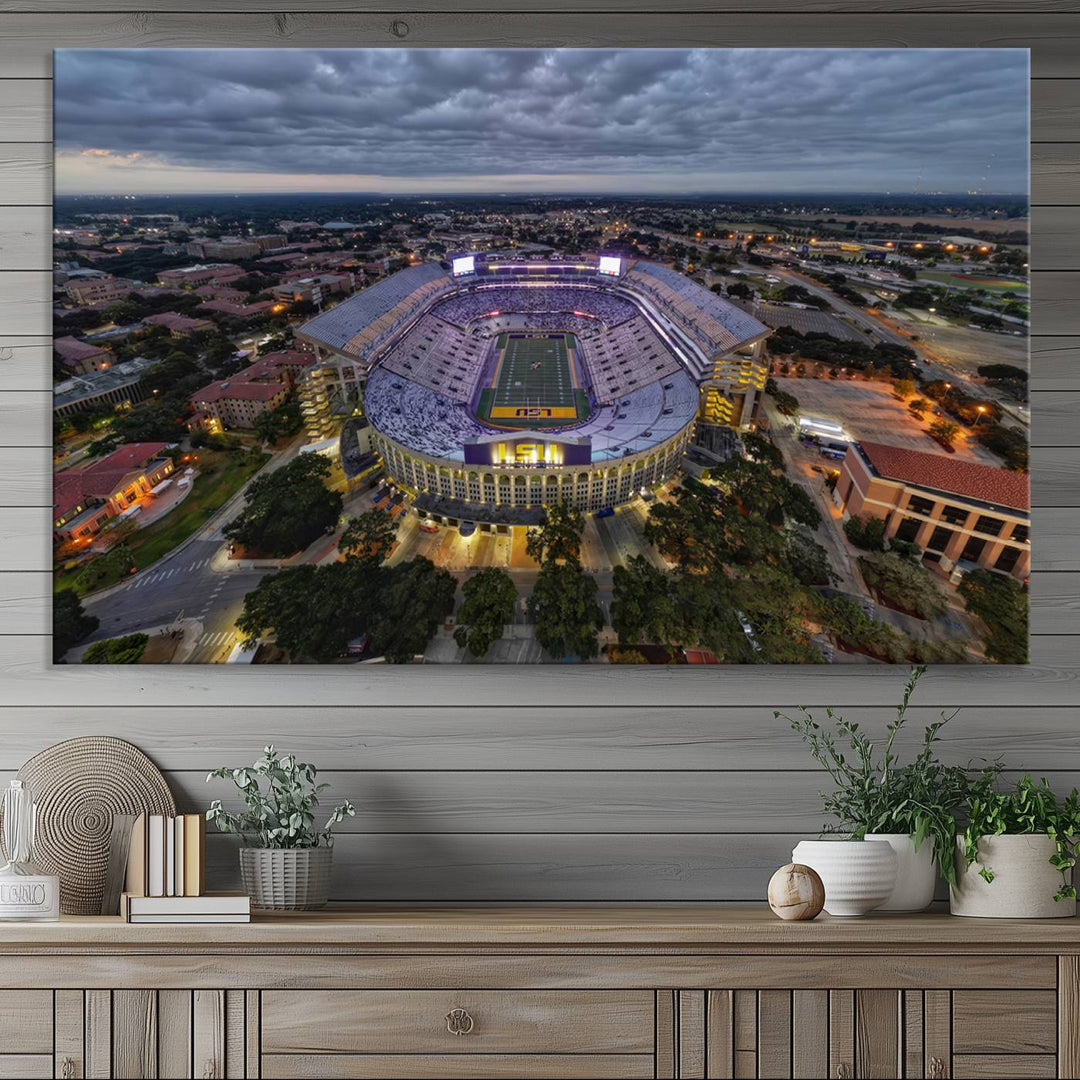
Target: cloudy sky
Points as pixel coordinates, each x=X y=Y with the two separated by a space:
x=565 y=120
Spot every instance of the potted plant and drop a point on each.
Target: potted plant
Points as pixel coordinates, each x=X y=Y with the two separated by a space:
x=1016 y=853
x=285 y=859
x=910 y=807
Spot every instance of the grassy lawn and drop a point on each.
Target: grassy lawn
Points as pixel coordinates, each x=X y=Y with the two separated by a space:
x=220 y=477
x=975 y=280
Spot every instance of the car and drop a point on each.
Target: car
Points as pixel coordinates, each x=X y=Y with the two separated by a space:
x=467 y=528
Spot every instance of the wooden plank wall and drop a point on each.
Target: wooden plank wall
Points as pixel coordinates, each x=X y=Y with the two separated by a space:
x=537 y=784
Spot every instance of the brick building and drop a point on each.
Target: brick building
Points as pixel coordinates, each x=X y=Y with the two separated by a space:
x=956 y=511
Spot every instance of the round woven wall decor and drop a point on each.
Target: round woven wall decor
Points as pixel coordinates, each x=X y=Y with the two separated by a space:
x=78 y=785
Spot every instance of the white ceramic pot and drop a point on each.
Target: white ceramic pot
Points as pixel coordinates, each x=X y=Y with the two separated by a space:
x=858 y=875
x=1024 y=881
x=916 y=872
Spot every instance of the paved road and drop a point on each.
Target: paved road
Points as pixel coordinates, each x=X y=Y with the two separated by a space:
x=183 y=582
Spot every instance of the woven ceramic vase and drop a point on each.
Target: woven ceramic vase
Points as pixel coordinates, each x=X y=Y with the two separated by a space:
x=858 y=875
x=287 y=879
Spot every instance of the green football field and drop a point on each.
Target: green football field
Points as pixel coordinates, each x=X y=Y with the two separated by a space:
x=535 y=370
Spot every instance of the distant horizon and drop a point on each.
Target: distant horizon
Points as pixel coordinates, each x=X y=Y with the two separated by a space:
x=621 y=122
x=652 y=196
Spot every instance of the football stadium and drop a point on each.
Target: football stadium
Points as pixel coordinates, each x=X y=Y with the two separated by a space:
x=491 y=387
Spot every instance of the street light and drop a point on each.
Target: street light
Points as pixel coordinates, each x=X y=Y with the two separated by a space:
x=980 y=410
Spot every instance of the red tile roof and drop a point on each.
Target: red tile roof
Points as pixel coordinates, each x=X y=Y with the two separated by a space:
x=180 y=323
x=242 y=310
x=71 y=348
x=998 y=487
x=239 y=391
x=104 y=477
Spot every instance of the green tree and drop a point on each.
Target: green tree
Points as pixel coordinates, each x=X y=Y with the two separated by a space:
x=902 y=583
x=904 y=387
x=70 y=623
x=1001 y=604
x=945 y=430
x=116 y=562
x=265 y=427
x=313 y=611
x=866 y=532
x=369 y=538
x=564 y=608
x=414 y=597
x=558 y=539
x=808 y=559
x=644 y=607
x=121 y=650
x=287 y=509
x=761 y=448
x=490 y=596
x=787 y=404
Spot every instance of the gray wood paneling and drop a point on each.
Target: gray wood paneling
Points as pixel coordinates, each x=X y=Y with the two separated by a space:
x=633 y=741
x=26 y=40
x=614 y=784
x=714 y=7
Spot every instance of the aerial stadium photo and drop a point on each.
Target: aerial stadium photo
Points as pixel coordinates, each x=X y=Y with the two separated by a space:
x=541 y=356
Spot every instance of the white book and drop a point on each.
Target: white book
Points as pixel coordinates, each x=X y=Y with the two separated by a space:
x=207 y=904
x=178 y=855
x=189 y=918
x=155 y=855
x=170 y=856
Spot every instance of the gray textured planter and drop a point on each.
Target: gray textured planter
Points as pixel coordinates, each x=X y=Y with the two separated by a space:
x=287 y=879
x=1024 y=881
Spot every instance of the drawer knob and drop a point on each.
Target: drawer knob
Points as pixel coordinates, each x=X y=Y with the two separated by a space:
x=459 y=1022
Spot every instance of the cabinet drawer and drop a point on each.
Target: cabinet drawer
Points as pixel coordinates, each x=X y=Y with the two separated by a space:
x=1004 y=1022
x=26 y=1022
x=1004 y=1066
x=26 y=1066
x=429 y=1021
x=459 y=1066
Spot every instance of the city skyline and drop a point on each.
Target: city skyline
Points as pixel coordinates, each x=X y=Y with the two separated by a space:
x=555 y=122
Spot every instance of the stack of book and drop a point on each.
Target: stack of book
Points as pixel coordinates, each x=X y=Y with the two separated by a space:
x=166 y=875
x=208 y=908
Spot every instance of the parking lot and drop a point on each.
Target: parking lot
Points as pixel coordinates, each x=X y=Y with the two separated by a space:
x=868 y=410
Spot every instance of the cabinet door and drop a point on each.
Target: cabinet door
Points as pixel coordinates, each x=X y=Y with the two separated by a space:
x=152 y=1035
x=878 y=1033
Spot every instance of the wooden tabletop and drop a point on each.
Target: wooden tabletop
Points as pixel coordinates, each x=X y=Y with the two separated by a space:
x=679 y=928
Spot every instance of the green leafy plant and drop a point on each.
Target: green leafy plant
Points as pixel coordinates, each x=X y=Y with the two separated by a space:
x=1027 y=809
x=280 y=796
x=874 y=792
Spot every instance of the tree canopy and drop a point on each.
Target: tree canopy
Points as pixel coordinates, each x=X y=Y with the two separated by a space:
x=558 y=539
x=70 y=623
x=1001 y=603
x=565 y=611
x=369 y=538
x=490 y=596
x=287 y=509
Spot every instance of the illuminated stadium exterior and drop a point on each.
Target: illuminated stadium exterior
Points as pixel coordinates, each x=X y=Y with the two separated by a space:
x=496 y=386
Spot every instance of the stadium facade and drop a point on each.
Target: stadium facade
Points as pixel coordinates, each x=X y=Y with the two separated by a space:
x=494 y=386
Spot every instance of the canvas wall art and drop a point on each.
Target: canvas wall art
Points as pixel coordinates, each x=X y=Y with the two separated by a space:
x=632 y=356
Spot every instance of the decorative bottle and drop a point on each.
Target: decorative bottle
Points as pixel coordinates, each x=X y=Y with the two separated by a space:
x=25 y=891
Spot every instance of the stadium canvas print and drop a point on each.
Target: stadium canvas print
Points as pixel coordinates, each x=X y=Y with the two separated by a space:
x=632 y=356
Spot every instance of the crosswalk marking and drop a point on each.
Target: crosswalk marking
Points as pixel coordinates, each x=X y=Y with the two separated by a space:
x=215 y=639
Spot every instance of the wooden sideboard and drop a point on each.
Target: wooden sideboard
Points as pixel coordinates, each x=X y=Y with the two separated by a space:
x=546 y=993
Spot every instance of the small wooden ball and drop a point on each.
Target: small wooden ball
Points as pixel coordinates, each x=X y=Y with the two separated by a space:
x=796 y=893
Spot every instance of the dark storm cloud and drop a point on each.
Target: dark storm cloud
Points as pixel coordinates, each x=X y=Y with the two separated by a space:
x=633 y=119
